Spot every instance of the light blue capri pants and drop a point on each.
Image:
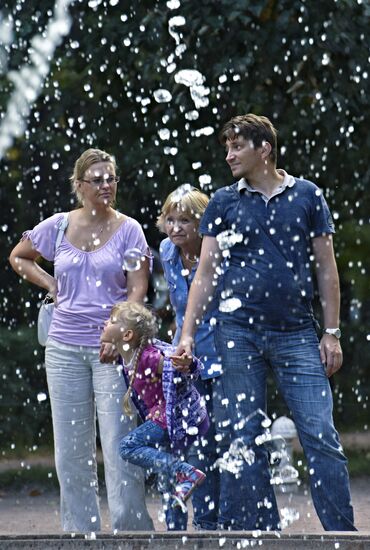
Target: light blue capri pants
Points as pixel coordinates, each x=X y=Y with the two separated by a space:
x=81 y=387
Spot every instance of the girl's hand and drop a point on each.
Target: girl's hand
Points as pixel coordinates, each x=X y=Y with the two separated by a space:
x=182 y=362
x=108 y=353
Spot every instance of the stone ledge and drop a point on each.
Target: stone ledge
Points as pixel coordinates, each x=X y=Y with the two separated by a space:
x=190 y=541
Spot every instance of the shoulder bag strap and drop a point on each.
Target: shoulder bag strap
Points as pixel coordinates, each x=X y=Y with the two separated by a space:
x=62 y=227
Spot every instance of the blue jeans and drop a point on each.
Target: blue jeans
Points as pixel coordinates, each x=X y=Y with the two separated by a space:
x=249 y=502
x=149 y=446
x=81 y=388
x=203 y=455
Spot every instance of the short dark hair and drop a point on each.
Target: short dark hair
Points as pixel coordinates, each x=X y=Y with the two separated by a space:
x=253 y=127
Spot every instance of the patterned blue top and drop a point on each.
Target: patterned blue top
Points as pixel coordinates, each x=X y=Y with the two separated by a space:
x=178 y=284
x=185 y=410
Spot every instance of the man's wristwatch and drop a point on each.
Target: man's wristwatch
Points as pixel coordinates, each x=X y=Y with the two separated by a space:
x=333 y=331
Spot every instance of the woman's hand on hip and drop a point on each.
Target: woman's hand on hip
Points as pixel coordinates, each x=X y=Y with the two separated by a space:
x=53 y=290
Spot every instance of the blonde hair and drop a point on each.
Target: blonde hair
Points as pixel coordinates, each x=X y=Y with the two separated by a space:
x=83 y=163
x=186 y=198
x=143 y=323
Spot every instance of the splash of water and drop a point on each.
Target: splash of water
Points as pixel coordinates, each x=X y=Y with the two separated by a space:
x=28 y=80
x=287 y=474
x=229 y=305
x=233 y=460
x=227 y=239
x=181 y=191
x=240 y=453
x=173 y=23
x=189 y=77
x=6 y=37
x=194 y=80
x=288 y=516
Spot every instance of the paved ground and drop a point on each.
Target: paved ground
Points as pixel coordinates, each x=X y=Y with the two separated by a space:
x=33 y=510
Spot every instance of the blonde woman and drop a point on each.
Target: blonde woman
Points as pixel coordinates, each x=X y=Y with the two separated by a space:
x=89 y=277
x=179 y=253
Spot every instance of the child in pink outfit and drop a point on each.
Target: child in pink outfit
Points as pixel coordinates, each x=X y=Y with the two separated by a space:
x=161 y=387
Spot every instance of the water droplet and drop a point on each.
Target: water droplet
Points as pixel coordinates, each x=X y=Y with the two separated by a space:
x=266 y=423
x=206 y=131
x=229 y=305
x=192 y=115
x=173 y=4
x=162 y=96
x=198 y=95
x=189 y=77
x=132 y=259
x=177 y=21
x=41 y=397
x=164 y=133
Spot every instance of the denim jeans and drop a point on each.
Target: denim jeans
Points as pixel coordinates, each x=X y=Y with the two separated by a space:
x=81 y=387
x=293 y=357
x=148 y=446
x=203 y=455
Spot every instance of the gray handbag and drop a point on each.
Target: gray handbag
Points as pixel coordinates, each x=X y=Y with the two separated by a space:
x=47 y=306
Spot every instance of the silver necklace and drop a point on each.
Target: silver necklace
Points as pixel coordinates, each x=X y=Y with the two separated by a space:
x=95 y=236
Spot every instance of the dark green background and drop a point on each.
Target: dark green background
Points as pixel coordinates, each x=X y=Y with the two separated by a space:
x=304 y=64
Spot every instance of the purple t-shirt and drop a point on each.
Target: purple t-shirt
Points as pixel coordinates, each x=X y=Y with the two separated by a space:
x=89 y=283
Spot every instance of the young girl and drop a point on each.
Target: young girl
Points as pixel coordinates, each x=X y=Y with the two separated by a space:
x=161 y=387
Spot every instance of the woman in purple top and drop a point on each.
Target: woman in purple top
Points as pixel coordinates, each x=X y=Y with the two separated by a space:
x=161 y=386
x=89 y=278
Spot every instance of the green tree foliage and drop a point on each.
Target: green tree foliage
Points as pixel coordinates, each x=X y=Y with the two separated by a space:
x=304 y=64
x=24 y=408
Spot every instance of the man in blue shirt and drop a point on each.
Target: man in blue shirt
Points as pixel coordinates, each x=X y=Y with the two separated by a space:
x=260 y=236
